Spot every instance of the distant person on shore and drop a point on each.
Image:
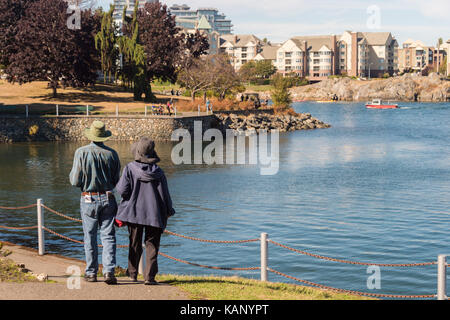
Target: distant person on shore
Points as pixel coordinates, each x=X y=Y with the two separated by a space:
x=208 y=105
x=146 y=205
x=96 y=171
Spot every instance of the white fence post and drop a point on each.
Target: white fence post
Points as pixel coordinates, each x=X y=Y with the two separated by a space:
x=87 y=110
x=146 y=110
x=57 y=110
x=40 y=220
x=264 y=255
x=117 y=110
x=142 y=261
x=26 y=111
x=442 y=277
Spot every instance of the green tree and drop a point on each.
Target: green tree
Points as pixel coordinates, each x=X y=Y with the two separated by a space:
x=105 y=43
x=281 y=96
x=133 y=55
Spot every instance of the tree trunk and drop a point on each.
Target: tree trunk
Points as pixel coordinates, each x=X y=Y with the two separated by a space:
x=193 y=96
x=54 y=91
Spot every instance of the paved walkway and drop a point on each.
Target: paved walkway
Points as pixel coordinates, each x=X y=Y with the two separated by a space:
x=57 y=269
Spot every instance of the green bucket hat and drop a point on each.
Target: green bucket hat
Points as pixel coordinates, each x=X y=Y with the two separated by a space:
x=97 y=132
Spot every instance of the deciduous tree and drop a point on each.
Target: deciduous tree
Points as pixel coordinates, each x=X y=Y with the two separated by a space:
x=161 y=41
x=46 y=49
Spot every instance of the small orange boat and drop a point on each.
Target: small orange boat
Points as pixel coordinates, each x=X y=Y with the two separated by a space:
x=378 y=104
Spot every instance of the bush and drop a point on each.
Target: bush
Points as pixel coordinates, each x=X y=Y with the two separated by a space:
x=386 y=75
x=281 y=96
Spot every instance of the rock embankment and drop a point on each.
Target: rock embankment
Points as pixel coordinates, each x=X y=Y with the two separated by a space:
x=409 y=87
x=253 y=123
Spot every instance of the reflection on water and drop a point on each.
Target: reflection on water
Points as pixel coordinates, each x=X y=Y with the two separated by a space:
x=374 y=187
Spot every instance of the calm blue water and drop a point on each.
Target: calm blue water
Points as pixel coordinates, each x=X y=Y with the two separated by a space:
x=375 y=188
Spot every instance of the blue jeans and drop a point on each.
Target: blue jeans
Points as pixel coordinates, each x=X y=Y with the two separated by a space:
x=99 y=214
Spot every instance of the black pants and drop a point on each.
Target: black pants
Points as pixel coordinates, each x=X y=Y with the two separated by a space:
x=152 y=239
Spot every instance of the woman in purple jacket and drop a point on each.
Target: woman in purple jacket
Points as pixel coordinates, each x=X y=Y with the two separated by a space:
x=146 y=205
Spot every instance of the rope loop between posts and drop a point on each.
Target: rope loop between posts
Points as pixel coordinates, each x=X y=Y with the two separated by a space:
x=353 y=262
x=73 y=240
x=165 y=231
x=19 y=208
x=379 y=295
x=204 y=266
x=211 y=241
x=18 y=228
x=60 y=214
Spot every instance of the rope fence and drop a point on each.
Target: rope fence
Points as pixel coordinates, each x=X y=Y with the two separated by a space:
x=442 y=263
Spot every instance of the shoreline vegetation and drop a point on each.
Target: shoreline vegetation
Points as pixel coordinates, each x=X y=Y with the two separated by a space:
x=195 y=287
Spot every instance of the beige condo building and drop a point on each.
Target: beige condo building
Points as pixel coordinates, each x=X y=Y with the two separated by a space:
x=360 y=54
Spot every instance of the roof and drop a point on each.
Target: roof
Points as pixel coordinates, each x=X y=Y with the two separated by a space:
x=203 y=24
x=269 y=52
x=315 y=43
x=377 y=38
x=239 y=40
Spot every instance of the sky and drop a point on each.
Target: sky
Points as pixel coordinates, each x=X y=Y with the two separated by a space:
x=278 y=20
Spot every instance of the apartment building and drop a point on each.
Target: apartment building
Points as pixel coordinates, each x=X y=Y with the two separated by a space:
x=241 y=48
x=309 y=56
x=189 y=19
x=447 y=46
x=367 y=54
x=360 y=54
x=415 y=55
x=119 y=5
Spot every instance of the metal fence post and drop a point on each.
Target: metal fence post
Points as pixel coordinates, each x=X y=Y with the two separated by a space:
x=117 y=110
x=442 y=277
x=26 y=111
x=264 y=255
x=145 y=110
x=40 y=221
x=142 y=261
x=57 y=110
x=87 y=110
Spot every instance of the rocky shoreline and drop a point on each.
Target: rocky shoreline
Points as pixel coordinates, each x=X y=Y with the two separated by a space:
x=409 y=88
x=253 y=123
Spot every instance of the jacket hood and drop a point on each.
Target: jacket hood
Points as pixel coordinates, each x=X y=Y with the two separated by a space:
x=146 y=172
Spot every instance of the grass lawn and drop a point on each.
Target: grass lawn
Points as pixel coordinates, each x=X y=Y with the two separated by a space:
x=235 y=288
x=9 y=271
x=102 y=99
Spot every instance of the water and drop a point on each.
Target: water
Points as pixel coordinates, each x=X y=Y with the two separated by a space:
x=375 y=188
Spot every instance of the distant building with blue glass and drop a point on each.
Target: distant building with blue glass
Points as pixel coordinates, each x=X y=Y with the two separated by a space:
x=189 y=19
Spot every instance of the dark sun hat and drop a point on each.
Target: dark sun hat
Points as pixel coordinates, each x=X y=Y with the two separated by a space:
x=144 y=151
x=97 y=132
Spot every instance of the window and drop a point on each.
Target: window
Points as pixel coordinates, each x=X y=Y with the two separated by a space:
x=288 y=54
x=244 y=49
x=316 y=61
x=244 y=56
x=298 y=53
x=288 y=61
